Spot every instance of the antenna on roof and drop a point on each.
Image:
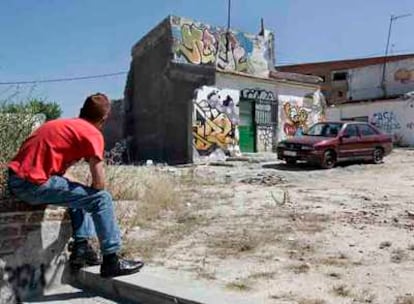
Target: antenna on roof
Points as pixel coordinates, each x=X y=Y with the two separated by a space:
x=228 y=24
x=262 y=29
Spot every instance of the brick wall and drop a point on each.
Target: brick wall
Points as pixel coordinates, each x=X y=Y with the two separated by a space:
x=32 y=248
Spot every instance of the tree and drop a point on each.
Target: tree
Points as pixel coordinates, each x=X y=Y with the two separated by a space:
x=51 y=110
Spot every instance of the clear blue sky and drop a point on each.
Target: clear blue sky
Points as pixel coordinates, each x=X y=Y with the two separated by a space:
x=43 y=39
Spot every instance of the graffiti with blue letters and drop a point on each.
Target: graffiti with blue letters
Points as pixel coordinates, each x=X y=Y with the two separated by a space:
x=387 y=121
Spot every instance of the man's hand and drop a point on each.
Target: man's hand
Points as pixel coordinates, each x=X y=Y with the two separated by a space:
x=72 y=178
x=96 y=167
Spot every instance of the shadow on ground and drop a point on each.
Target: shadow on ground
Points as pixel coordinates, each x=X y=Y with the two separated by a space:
x=303 y=166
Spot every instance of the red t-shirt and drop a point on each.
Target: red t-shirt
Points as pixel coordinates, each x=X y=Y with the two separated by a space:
x=54 y=146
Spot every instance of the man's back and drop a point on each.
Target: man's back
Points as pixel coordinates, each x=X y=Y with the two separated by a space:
x=54 y=146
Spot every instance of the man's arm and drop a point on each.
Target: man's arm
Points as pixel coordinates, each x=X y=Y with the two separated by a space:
x=96 y=167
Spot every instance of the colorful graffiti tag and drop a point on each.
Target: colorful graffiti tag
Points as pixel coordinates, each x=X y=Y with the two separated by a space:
x=296 y=119
x=298 y=114
x=386 y=121
x=197 y=43
x=215 y=120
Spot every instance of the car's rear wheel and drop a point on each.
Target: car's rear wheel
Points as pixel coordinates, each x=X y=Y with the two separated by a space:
x=291 y=161
x=329 y=160
x=378 y=156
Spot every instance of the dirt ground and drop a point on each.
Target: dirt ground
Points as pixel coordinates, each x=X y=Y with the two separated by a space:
x=282 y=234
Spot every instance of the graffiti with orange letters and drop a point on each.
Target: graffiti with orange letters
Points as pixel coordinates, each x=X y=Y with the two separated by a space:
x=215 y=120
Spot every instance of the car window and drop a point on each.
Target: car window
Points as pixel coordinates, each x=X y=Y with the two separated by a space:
x=325 y=129
x=366 y=130
x=351 y=131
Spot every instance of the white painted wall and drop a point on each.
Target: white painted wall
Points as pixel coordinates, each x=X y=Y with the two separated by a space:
x=365 y=82
x=395 y=117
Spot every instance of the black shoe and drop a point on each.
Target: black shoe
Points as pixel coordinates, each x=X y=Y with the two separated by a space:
x=82 y=254
x=113 y=266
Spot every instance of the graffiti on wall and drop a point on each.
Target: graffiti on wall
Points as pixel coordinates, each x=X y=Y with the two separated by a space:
x=296 y=119
x=197 y=43
x=298 y=114
x=257 y=94
x=386 y=121
x=265 y=138
x=404 y=76
x=25 y=278
x=215 y=121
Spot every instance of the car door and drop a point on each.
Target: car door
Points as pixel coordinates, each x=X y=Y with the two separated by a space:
x=349 y=143
x=369 y=140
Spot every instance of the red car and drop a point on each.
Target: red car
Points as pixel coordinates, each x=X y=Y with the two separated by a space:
x=327 y=143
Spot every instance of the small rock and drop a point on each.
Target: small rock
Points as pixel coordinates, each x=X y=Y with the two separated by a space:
x=395 y=220
x=385 y=244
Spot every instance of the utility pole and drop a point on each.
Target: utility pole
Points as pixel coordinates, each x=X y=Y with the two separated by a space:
x=383 y=82
x=228 y=15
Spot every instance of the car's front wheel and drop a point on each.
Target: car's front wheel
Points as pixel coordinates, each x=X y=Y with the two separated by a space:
x=378 y=156
x=328 y=160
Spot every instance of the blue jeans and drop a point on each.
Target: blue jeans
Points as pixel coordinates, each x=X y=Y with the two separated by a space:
x=89 y=208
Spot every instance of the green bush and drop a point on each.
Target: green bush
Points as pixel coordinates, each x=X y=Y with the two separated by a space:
x=14 y=129
x=17 y=121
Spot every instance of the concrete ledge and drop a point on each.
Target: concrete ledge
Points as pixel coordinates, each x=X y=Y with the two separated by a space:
x=158 y=286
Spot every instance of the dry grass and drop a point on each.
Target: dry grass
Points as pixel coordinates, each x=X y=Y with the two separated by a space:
x=405 y=300
x=154 y=192
x=267 y=275
x=398 y=256
x=341 y=290
x=232 y=243
x=299 y=268
x=311 y=301
x=239 y=285
x=158 y=242
x=339 y=261
x=299 y=249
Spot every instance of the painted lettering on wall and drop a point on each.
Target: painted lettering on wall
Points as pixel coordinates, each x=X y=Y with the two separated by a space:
x=257 y=94
x=215 y=120
x=386 y=121
x=264 y=102
x=197 y=43
x=26 y=277
x=410 y=125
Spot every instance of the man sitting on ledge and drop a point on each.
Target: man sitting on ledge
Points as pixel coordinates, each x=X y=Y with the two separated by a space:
x=36 y=176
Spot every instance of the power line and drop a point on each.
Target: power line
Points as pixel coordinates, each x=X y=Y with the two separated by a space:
x=65 y=79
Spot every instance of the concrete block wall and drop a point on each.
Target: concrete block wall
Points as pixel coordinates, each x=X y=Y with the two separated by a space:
x=158 y=100
x=32 y=249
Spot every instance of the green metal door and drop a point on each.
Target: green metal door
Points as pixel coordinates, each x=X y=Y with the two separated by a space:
x=246 y=126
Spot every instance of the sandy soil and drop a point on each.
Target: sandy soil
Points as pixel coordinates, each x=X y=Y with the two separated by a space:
x=281 y=234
